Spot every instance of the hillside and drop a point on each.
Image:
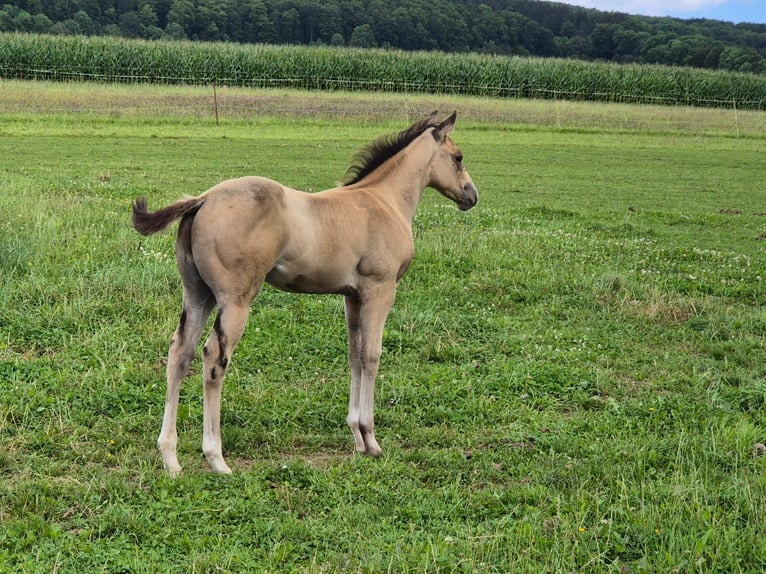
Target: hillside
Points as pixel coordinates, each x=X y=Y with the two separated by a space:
x=520 y=27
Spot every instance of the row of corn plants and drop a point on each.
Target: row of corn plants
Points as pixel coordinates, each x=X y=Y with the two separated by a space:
x=110 y=59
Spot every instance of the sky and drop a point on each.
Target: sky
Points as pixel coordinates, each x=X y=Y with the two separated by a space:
x=729 y=10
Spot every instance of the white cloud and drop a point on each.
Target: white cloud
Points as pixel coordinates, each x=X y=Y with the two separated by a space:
x=648 y=7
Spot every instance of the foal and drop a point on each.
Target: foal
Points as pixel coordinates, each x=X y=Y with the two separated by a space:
x=354 y=240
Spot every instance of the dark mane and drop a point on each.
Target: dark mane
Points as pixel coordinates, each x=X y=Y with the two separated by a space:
x=374 y=154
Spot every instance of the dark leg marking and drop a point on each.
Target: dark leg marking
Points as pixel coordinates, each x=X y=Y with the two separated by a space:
x=222 y=361
x=181 y=326
x=217 y=324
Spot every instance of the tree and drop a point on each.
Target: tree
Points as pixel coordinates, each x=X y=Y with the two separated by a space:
x=148 y=16
x=41 y=24
x=741 y=60
x=182 y=13
x=92 y=8
x=88 y=26
x=174 y=31
x=210 y=20
x=330 y=21
x=536 y=39
x=65 y=28
x=626 y=45
x=362 y=37
x=8 y=15
x=310 y=12
x=161 y=9
x=602 y=41
x=490 y=26
x=131 y=26
x=266 y=31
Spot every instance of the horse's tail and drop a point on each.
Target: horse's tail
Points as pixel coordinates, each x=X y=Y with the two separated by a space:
x=147 y=222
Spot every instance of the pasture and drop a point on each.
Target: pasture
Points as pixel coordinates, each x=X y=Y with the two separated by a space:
x=573 y=376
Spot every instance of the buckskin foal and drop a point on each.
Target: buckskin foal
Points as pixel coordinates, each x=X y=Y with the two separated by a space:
x=354 y=240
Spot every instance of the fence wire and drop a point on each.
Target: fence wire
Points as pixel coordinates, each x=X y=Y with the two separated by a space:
x=528 y=90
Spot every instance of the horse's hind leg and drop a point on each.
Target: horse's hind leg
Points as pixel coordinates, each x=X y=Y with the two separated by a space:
x=227 y=330
x=180 y=355
x=198 y=302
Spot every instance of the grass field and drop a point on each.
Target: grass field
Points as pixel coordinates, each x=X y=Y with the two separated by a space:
x=574 y=372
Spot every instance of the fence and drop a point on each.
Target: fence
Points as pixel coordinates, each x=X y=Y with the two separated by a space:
x=334 y=84
x=113 y=60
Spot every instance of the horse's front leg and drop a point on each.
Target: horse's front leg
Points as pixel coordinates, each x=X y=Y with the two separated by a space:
x=355 y=363
x=365 y=320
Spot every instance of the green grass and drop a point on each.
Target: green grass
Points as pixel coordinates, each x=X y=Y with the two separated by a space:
x=573 y=372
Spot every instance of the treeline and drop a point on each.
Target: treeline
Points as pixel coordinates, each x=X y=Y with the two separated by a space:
x=520 y=27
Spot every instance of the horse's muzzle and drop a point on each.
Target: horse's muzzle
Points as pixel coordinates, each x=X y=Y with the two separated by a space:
x=470 y=197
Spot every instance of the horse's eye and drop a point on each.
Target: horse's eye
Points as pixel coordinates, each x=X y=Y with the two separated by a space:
x=459 y=159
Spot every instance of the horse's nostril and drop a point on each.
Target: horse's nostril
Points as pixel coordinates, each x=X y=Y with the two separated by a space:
x=470 y=196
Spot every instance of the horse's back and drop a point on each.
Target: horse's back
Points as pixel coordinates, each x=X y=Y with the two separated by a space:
x=239 y=204
x=247 y=192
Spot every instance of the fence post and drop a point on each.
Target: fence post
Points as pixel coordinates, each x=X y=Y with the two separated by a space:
x=215 y=101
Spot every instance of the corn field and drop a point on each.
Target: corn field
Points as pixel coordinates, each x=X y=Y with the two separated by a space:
x=108 y=59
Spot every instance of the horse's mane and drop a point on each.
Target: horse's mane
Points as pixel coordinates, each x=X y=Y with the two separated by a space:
x=371 y=156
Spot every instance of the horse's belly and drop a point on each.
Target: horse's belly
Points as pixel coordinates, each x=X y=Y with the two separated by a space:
x=307 y=280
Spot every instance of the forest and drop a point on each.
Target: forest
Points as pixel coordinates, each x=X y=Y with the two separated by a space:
x=508 y=27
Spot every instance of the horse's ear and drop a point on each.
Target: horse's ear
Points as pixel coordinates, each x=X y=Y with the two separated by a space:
x=443 y=129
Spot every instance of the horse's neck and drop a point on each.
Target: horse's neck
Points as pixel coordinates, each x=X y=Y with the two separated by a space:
x=402 y=181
